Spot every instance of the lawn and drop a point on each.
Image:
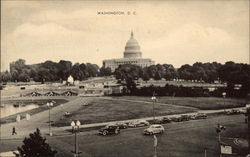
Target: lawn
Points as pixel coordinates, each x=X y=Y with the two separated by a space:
x=203 y=103
x=104 y=110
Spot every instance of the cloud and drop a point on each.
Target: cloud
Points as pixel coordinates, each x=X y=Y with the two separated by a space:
x=193 y=42
x=46 y=30
x=195 y=34
x=168 y=32
x=51 y=41
x=37 y=43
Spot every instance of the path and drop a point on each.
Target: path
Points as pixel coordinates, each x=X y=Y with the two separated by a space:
x=148 y=102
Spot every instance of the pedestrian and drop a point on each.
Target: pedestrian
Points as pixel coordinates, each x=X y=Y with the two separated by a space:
x=14 y=131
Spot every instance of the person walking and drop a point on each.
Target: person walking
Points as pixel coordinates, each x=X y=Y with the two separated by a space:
x=14 y=131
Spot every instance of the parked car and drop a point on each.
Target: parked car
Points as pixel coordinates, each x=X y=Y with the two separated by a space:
x=109 y=129
x=175 y=119
x=163 y=120
x=154 y=129
x=233 y=111
x=200 y=116
x=138 y=123
x=192 y=117
x=243 y=111
x=185 y=117
x=121 y=125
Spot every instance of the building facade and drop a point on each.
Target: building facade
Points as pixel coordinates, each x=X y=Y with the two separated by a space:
x=131 y=55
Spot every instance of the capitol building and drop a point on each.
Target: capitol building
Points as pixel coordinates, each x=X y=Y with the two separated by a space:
x=131 y=55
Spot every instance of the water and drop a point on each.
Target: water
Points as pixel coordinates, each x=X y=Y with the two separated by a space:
x=9 y=109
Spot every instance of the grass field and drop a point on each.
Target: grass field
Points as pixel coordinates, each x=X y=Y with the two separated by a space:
x=103 y=110
x=203 y=103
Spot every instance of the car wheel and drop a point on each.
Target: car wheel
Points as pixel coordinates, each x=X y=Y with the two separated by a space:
x=151 y=133
x=104 y=133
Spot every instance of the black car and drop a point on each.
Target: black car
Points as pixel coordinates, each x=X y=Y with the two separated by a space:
x=176 y=119
x=163 y=120
x=201 y=116
x=122 y=125
x=185 y=117
x=109 y=129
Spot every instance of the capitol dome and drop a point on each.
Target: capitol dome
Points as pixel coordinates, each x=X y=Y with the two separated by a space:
x=132 y=48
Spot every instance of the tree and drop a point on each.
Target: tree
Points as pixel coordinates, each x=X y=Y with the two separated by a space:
x=92 y=69
x=76 y=72
x=186 y=72
x=52 y=69
x=5 y=76
x=234 y=73
x=128 y=73
x=35 y=146
x=152 y=71
x=20 y=71
x=170 y=72
x=105 y=71
x=64 y=68
x=18 y=65
x=145 y=75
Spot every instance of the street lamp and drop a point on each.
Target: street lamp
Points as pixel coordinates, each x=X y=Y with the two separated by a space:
x=76 y=128
x=219 y=129
x=62 y=110
x=224 y=96
x=205 y=151
x=50 y=105
x=154 y=100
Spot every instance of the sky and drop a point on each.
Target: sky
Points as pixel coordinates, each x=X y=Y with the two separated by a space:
x=172 y=32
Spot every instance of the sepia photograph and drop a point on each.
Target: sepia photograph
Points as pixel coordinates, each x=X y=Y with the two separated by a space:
x=125 y=78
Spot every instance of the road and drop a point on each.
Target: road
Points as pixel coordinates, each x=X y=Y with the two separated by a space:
x=179 y=140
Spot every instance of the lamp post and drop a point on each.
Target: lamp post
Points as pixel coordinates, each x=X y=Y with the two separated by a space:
x=50 y=105
x=75 y=128
x=224 y=96
x=154 y=100
x=155 y=146
x=62 y=110
x=205 y=151
x=219 y=129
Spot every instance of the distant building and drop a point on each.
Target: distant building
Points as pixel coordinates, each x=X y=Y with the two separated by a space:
x=131 y=55
x=70 y=80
